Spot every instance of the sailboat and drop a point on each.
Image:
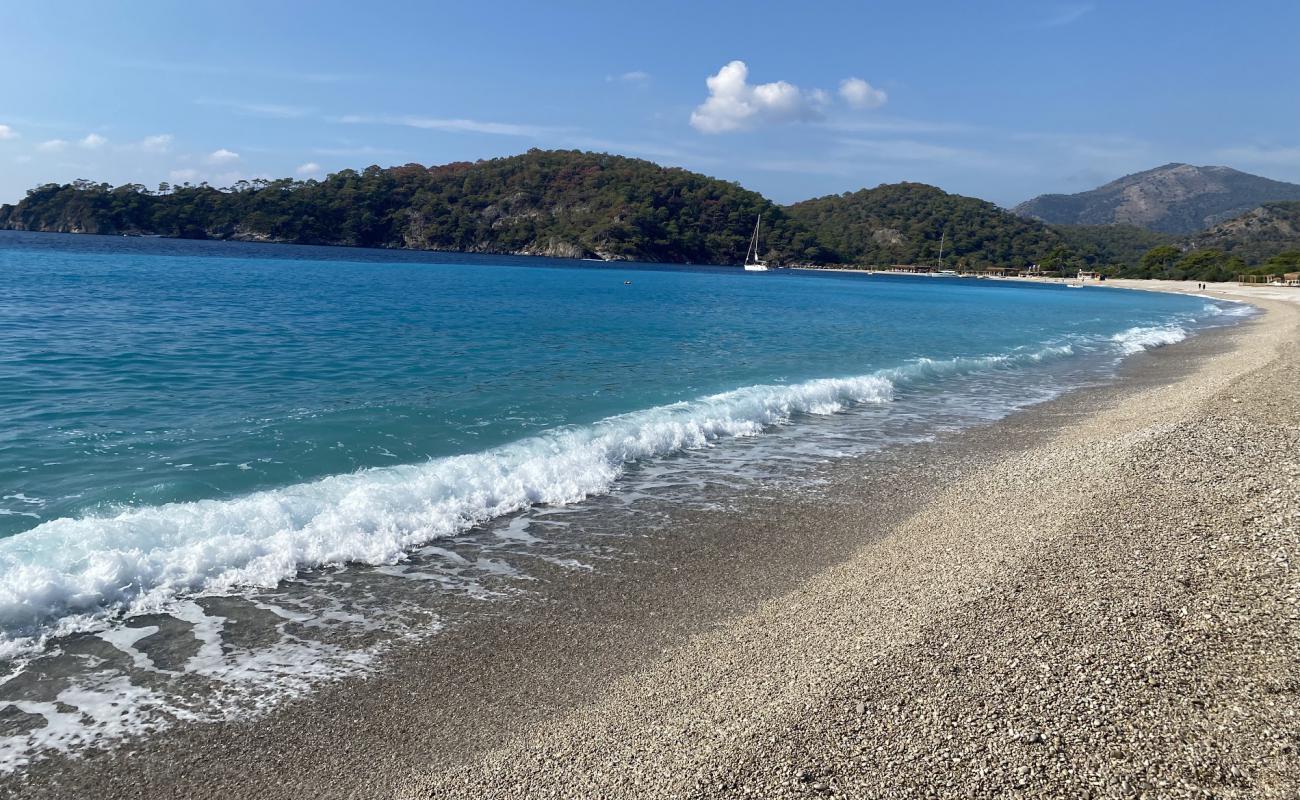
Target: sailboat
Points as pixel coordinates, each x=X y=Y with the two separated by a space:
x=752 y=262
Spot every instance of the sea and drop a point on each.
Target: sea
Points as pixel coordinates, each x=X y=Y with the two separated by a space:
x=230 y=472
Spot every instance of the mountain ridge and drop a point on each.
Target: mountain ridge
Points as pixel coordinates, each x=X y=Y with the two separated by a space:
x=577 y=204
x=1172 y=198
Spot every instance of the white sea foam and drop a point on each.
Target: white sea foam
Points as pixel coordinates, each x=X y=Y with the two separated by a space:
x=1233 y=310
x=70 y=574
x=75 y=573
x=1135 y=340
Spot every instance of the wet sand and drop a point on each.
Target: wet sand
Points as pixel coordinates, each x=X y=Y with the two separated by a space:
x=1091 y=597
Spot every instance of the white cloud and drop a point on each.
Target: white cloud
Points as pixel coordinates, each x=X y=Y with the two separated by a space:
x=453 y=125
x=159 y=143
x=635 y=76
x=7 y=132
x=735 y=104
x=183 y=175
x=23 y=159
x=860 y=94
x=222 y=156
x=309 y=169
x=93 y=141
x=53 y=146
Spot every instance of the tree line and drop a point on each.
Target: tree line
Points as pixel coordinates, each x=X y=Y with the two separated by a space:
x=578 y=204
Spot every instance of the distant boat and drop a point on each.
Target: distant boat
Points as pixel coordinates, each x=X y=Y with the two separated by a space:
x=752 y=262
x=1074 y=285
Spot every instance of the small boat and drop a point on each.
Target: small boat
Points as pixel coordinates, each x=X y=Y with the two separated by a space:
x=1074 y=285
x=627 y=283
x=752 y=262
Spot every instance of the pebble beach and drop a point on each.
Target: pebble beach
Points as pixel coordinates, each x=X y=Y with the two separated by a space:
x=1092 y=598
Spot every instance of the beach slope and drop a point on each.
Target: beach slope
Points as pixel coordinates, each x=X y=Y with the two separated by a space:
x=1109 y=610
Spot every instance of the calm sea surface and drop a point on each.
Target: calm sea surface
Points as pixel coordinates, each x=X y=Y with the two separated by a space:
x=189 y=420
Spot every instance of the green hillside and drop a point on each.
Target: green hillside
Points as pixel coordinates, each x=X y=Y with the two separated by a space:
x=560 y=203
x=903 y=223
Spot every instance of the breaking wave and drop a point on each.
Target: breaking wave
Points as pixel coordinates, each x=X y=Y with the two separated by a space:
x=75 y=574
x=1135 y=340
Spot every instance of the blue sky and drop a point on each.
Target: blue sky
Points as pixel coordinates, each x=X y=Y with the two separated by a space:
x=997 y=100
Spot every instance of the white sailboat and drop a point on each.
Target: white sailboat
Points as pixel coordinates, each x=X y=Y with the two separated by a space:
x=752 y=262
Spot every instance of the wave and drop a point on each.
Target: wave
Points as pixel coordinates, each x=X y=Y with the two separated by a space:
x=75 y=574
x=1135 y=340
x=1233 y=310
x=66 y=574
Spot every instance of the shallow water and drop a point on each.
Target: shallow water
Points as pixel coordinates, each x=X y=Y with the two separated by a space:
x=230 y=471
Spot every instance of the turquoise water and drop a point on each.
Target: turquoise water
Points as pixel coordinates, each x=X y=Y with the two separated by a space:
x=200 y=416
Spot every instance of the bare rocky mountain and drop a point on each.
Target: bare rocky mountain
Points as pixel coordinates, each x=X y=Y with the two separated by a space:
x=1175 y=198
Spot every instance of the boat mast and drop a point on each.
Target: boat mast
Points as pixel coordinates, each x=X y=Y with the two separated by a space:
x=942 y=236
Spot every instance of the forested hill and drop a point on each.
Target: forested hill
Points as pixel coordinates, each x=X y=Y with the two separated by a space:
x=905 y=223
x=558 y=203
x=1257 y=235
x=576 y=204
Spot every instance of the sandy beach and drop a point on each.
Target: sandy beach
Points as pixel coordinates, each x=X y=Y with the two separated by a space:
x=1093 y=598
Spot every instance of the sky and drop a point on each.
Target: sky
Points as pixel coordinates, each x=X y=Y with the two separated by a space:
x=999 y=100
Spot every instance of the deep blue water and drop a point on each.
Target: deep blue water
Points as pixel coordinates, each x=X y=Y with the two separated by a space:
x=196 y=415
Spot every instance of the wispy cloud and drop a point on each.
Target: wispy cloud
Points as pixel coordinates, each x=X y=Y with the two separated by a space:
x=1287 y=156
x=158 y=143
x=652 y=149
x=1065 y=14
x=270 y=73
x=813 y=166
x=92 y=141
x=184 y=175
x=271 y=110
x=355 y=150
x=636 y=76
x=453 y=125
x=308 y=170
x=1099 y=146
x=7 y=132
x=735 y=104
x=895 y=125
x=53 y=145
x=893 y=150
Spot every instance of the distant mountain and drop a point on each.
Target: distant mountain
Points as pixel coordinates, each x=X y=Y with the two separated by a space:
x=904 y=223
x=1175 y=198
x=1255 y=236
x=556 y=203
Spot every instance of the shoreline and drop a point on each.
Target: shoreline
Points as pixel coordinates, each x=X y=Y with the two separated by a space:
x=1226 y=290
x=480 y=711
